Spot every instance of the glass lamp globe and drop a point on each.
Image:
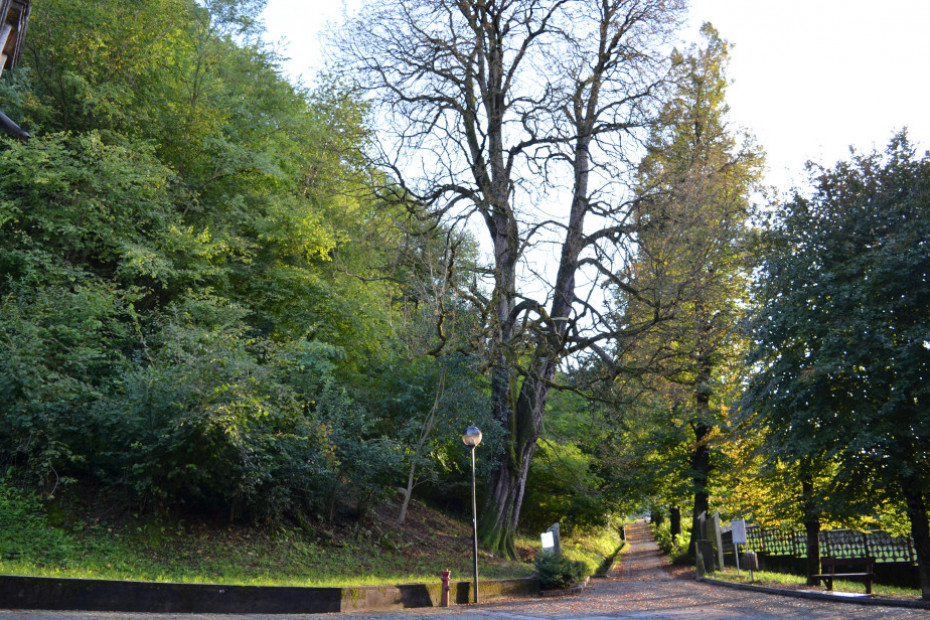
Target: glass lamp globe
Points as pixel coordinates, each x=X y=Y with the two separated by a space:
x=472 y=436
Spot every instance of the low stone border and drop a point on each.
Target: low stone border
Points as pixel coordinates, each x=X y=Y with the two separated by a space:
x=51 y=593
x=821 y=596
x=577 y=588
x=608 y=567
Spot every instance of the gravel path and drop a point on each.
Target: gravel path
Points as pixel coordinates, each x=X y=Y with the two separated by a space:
x=639 y=589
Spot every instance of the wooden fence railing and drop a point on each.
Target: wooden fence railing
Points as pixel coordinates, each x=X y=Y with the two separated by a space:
x=838 y=543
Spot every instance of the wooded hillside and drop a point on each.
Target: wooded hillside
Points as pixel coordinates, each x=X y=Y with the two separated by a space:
x=224 y=294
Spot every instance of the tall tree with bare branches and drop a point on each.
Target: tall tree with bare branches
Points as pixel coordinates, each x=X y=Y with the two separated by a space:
x=522 y=115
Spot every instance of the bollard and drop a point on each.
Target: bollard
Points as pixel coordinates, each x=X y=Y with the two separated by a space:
x=751 y=560
x=446 y=575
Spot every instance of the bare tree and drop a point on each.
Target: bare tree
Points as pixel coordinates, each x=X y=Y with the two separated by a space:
x=427 y=429
x=524 y=113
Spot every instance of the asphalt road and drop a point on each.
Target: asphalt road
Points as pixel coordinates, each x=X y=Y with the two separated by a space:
x=639 y=589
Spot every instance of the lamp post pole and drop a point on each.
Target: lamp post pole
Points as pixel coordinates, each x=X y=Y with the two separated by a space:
x=474 y=522
x=472 y=438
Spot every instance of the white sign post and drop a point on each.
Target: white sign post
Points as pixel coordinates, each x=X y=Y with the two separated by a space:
x=738 y=528
x=739 y=531
x=548 y=541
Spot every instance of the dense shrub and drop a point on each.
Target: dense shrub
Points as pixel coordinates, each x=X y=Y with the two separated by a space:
x=562 y=487
x=675 y=547
x=557 y=571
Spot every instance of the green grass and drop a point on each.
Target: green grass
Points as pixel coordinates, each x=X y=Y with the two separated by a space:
x=146 y=549
x=612 y=561
x=238 y=556
x=766 y=578
x=377 y=552
x=592 y=547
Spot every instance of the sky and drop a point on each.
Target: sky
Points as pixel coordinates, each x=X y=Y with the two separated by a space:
x=809 y=78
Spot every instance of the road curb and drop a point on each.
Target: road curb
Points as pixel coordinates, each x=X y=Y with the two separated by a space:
x=820 y=596
x=54 y=594
x=610 y=563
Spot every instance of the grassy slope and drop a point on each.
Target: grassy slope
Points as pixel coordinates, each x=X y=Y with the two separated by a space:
x=95 y=543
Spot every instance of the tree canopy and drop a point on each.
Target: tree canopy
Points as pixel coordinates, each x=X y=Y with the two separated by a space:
x=489 y=109
x=678 y=381
x=194 y=276
x=223 y=293
x=841 y=351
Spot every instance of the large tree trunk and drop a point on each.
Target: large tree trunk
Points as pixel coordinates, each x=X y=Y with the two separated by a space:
x=498 y=523
x=500 y=519
x=920 y=532
x=502 y=507
x=674 y=519
x=811 y=528
x=700 y=472
x=700 y=456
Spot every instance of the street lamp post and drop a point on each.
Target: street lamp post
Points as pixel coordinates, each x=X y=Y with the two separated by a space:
x=472 y=438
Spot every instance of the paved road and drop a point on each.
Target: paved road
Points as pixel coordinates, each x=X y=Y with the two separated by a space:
x=639 y=589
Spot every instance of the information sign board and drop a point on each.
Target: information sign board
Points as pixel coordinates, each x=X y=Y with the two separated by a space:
x=738 y=527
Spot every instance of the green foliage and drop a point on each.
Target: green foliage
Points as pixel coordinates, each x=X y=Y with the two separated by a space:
x=675 y=547
x=566 y=482
x=408 y=390
x=24 y=529
x=556 y=571
x=841 y=349
x=74 y=208
x=562 y=488
x=62 y=351
x=363 y=466
x=840 y=331
x=176 y=312
x=682 y=378
x=204 y=422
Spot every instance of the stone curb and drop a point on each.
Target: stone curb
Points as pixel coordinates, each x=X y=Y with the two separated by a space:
x=50 y=593
x=606 y=570
x=821 y=596
x=577 y=588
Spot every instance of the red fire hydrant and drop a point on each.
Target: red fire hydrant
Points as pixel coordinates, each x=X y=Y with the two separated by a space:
x=446 y=575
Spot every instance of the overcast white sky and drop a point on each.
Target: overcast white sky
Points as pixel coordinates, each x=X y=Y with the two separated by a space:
x=809 y=77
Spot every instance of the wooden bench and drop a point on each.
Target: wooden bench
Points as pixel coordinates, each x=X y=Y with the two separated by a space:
x=865 y=572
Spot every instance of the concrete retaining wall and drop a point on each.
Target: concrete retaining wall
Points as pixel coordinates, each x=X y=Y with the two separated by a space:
x=149 y=597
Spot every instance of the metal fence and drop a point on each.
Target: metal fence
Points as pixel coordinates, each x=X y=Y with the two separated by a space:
x=837 y=543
